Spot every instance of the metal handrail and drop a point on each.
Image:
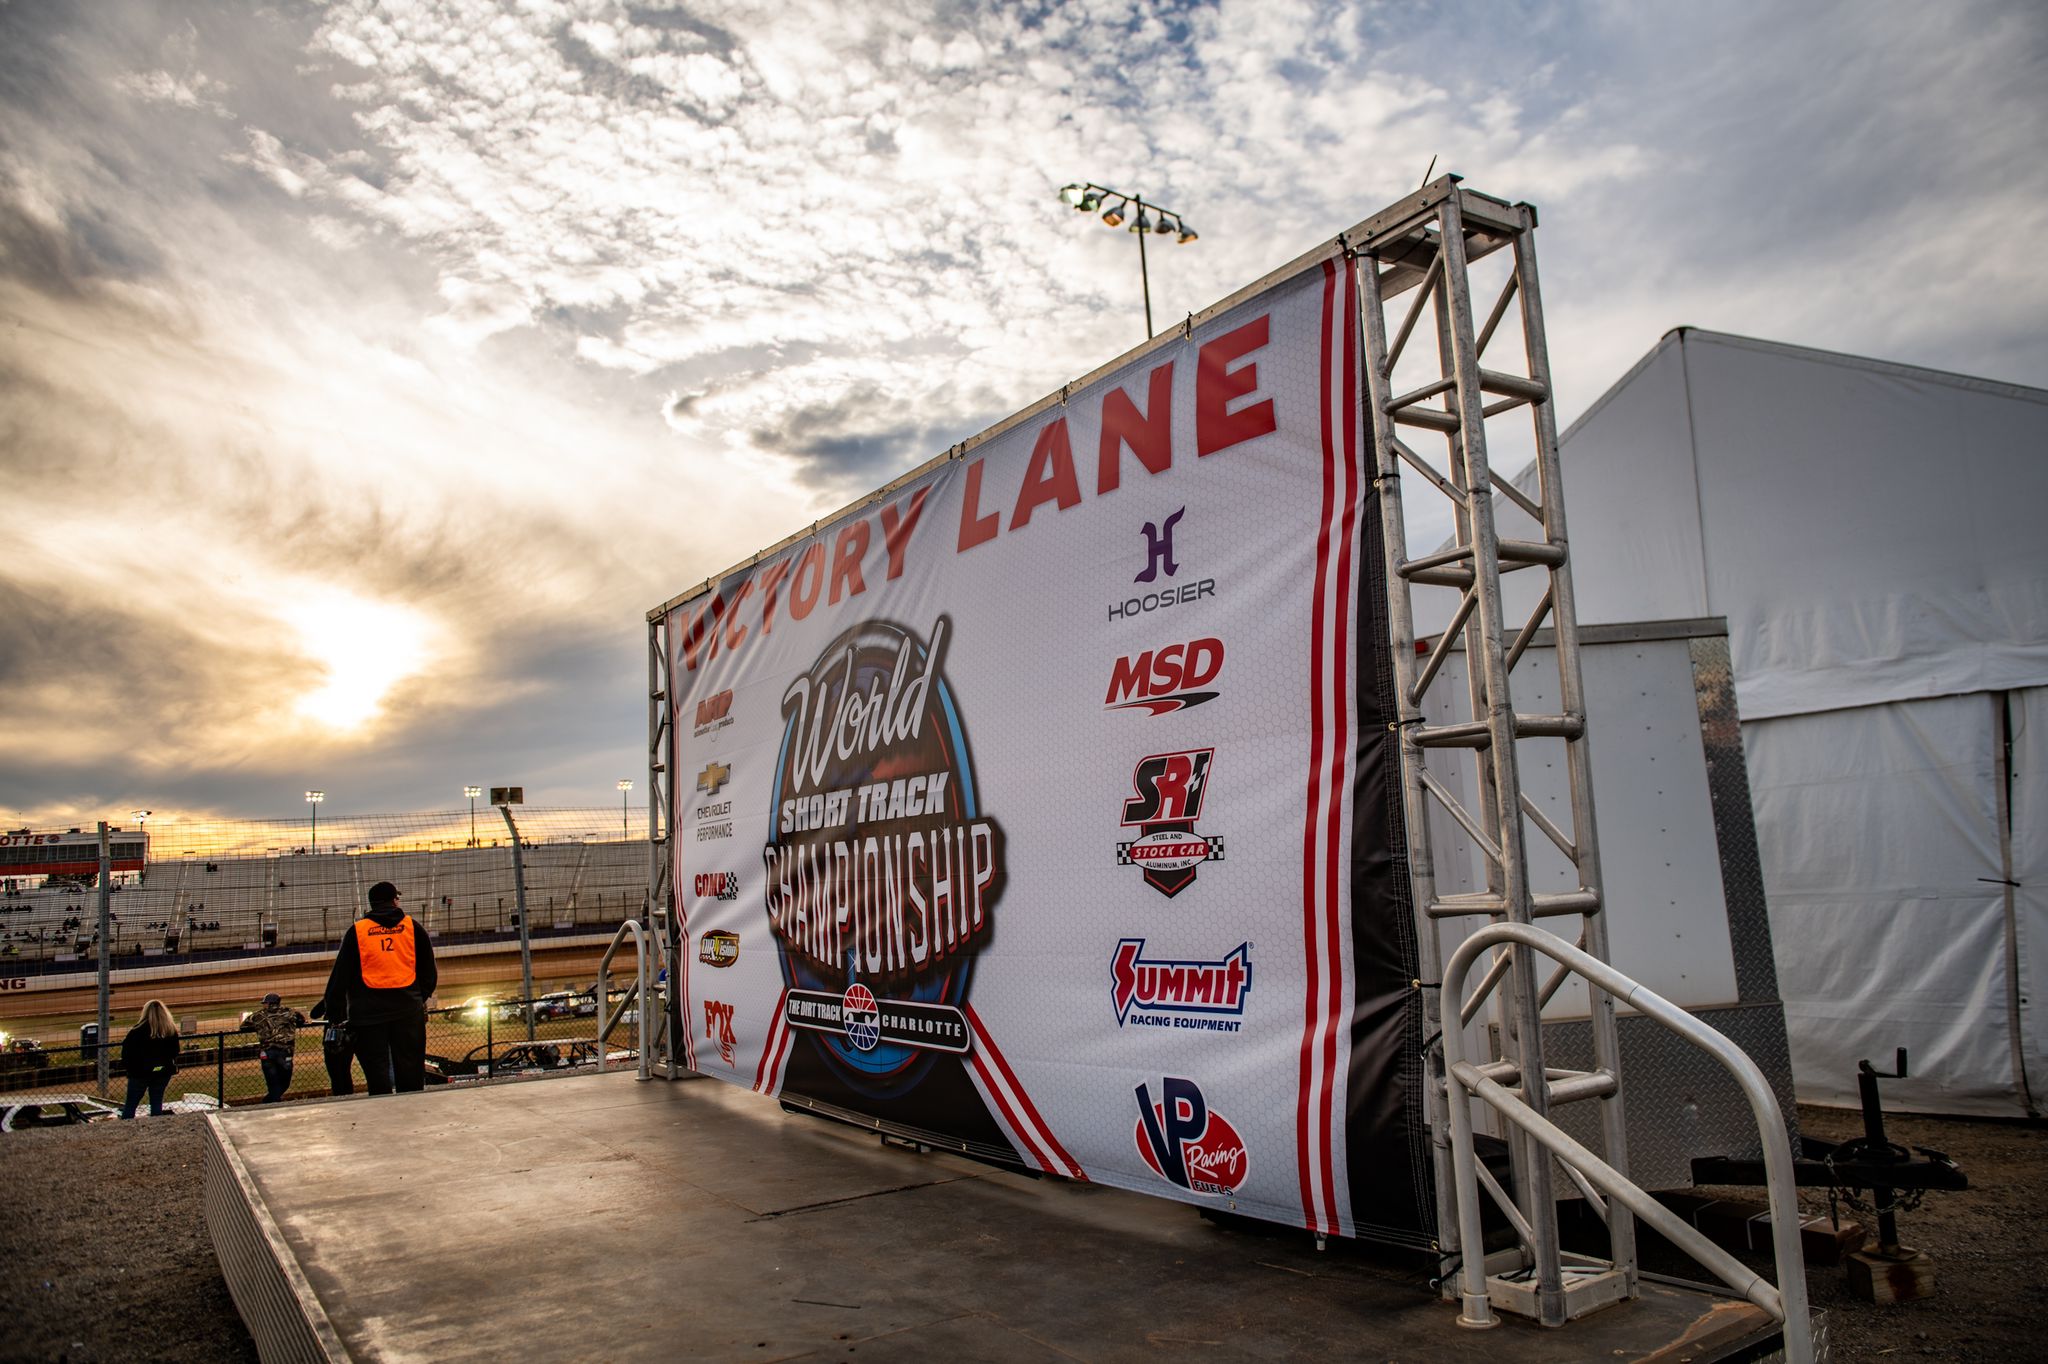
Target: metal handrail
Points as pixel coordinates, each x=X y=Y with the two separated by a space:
x=639 y=995
x=1786 y=1302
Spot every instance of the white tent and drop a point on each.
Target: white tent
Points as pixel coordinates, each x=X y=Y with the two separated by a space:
x=1872 y=533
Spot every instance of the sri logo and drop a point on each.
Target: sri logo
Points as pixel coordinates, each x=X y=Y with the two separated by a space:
x=1170 y=789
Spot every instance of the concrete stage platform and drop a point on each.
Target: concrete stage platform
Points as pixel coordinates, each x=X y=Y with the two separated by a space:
x=604 y=1218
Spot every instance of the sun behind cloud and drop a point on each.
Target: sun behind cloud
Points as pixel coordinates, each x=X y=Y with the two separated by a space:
x=362 y=648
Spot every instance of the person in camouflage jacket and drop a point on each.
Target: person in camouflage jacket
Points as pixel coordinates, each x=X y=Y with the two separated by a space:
x=277 y=1042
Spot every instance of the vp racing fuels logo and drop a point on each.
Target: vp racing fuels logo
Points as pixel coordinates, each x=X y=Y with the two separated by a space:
x=1169 y=792
x=1168 y=679
x=1187 y=1144
x=1203 y=995
x=883 y=871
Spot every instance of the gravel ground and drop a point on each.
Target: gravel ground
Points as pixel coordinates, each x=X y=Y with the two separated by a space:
x=104 y=1254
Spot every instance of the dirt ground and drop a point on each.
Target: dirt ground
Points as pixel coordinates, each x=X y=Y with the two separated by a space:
x=104 y=1254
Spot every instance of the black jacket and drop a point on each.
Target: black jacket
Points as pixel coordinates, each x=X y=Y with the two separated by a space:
x=142 y=1054
x=349 y=1000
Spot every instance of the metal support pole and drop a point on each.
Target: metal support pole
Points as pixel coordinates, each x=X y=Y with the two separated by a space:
x=1144 y=274
x=106 y=945
x=525 y=934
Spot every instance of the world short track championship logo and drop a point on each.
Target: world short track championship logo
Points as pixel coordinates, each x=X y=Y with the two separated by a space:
x=882 y=870
x=1169 y=790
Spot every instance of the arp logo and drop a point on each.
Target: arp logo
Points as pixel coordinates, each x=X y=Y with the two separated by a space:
x=1162 y=680
x=714 y=712
x=1169 y=790
x=1206 y=996
x=717 y=885
x=1187 y=1144
x=718 y=1028
x=714 y=775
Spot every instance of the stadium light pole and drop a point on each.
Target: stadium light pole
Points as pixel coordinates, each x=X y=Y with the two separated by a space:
x=313 y=798
x=1144 y=218
x=625 y=829
x=472 y=792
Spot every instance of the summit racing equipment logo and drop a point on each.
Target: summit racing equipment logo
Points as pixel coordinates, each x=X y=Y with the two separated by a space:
x=713 y=713
x=1201 y=995
x=882 y=869
x=1187 y=1144
x=717 y=885
x=1162 y=680
x=718 y=1028
x=1170 y=790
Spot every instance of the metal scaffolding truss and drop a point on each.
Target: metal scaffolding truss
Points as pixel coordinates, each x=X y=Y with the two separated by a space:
x=1473 y=380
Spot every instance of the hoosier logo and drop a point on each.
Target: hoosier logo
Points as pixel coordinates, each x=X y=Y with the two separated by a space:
x=1169 y=791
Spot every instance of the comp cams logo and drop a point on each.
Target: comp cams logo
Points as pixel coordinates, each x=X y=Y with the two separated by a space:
x=883 y=870
x=713 y=713
x=1169 y=792
x=717 y=885
x=1206 y=996
x=1159 y=558
x=1188 y=1144
x=1166 y=679
x=718 y=1028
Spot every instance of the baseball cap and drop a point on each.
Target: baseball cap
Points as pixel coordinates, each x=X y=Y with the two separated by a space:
x=273 y=998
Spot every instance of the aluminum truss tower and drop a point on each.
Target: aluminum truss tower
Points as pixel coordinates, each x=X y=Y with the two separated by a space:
x=1464 y=763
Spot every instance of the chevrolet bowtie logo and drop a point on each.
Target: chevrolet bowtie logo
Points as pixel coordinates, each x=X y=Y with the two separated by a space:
x=712 y=777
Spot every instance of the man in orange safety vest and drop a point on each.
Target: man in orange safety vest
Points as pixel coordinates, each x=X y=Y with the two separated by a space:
x=381 y=982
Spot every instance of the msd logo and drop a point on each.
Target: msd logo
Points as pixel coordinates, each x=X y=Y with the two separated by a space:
x=1187 y=1144
x=1162 y=680
x=718 y=885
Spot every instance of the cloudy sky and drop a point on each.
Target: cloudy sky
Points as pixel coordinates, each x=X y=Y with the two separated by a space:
x=368 y=369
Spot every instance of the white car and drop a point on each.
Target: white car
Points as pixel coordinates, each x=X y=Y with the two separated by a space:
x=67 y=1110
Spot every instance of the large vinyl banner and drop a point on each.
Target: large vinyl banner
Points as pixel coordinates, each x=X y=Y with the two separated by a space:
x=1046 y=808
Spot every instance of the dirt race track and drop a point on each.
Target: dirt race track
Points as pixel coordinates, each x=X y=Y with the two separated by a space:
x=301 y=983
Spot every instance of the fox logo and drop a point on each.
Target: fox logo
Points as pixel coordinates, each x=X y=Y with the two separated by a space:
x=718 y=1028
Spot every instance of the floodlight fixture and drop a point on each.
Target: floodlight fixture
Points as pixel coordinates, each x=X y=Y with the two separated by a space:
x=1150 y=219
x=472 y=792
x=625 y=785
x=313 y=798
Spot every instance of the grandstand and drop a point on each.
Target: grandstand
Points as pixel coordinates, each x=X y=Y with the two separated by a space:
x=236 y=889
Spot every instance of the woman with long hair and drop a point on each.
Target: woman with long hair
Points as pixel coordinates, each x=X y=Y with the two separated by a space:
x=149 y=1056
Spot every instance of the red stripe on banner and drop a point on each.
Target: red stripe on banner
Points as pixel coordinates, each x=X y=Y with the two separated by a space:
x=682 y=981
x=995 y=1094
x=1307 y=1110
x=777 y=1032
x=984 y=1043
x=1341 y=749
